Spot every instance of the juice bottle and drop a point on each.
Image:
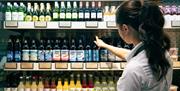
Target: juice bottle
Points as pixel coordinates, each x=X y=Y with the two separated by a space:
x=90 y=83
x=72 y=86
x=84 y=83
x=59 y=86
x=46 y=85
x=78 y=83
x=65 y=86
x=40 y=85
x=53 y=85
x=27 y=85
x=21 y=84
x=34 y=85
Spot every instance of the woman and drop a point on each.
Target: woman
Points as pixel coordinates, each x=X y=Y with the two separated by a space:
x=148 y=64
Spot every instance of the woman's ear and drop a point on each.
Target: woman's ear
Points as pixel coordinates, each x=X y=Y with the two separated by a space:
x=125 y=28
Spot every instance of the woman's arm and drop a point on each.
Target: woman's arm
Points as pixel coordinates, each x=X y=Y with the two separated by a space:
x=120 y=52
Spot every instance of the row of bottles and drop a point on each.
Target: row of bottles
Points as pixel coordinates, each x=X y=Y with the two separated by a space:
x=59 y=50
x=63 y=11
x=68 y=82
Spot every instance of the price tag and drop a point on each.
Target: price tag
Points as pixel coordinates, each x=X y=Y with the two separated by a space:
x=91 y=65
x=106 y=65
x=11 y=23
x=65 y=24
x=111 y=24
x=91 y=24
x=77 y=65
x=27 y=65
x=40 y=24
x=26 y=25
x=10 y=65
x=44 y=65
x=175 y=23
x=61 y=65
x=176 y=64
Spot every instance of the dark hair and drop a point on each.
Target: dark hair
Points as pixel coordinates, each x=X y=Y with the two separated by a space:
x=148 y=20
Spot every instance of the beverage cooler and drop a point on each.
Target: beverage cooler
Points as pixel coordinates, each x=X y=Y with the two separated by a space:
x=48 y=45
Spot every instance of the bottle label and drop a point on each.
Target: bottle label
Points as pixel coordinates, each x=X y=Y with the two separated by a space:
x=74 y=15
x=55 y=15
x=112 y=89
x=105 y=89
x=28 y=18
x=14 y=16
x=95 y=55
x=33 y=55
x=48 y=18
x=111 y=56
x=80 y=55
x=93 y=15
x=88 y=55
x=41 y=55
x=103 y=55
x=81 y=15
x=40 y=89
x=84 y=89
x=8 y=16
x=113 y=17
x=53 y=89
x=87 y=15
x=7 y=89
x=48 y=55
x=72 y=89
x=35 y=18
x=79 y=89
x=72 y=55
x=9 y=55
x=17 y=56
x=25 y=55
x=33 y=89
x=21 y=16
x=46 y=89
x=97 y=89
x=62 y=15
x=14 y=89
x=41 y=18
x=91 y=89
x=21 y=89
x=99 y=15
x=27 y=89
x=68 y=15
x=56 y=55
x=64 y=55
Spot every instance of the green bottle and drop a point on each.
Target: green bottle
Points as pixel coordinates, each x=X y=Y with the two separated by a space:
x=42 y=14
x=15 y=12
x=35 y=12
x=48 y=12
x=111 y=84
x=62 y=15
x=21 y=12
x=56 y=11
x=28 y=13
x=8 y=13
x=75 y=12
x=68 y=12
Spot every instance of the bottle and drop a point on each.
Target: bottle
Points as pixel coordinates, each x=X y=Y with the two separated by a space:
x=27 y=85
x=15 y=12
x=59 y=86
x=35 y=12
x=88 y=53
x=48 y=51
x=48 y=12
x=103 y=54
x=87 y=12
x=53 y=85
x=62 y=15
x=28 y=16
x=21 y=12
x=64 y=51
x=81 y=12
x=33 y=51
x=90 y=84
x=107 y=14
x=10 y=51
x=80 y=51
x=42 y=12
x=112 y=13
x=65 y=86
x=111 y=84
x=56 y=52
x=46 y=85
x=99 y=12
x=97 y=84
x=78 y=83
x=34 y=85
x=74 y=12
x=8 y=12
x=167 y=16
x=68 y=12
x=72 y=86
x=41 y=51
x=93 y=12
x=111 y=56
x=21 y=86
x=95 y=53
x=104 y=84
x=72 y=52
x=84 y=83
x=25 y=51
x=40 y=85
x=56 y=11
x=17 y=50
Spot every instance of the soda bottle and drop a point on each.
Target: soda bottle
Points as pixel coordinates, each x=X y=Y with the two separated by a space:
x=48 y=51
x=10 y=50
x=72 y=52
x=64 y=51
x=41 y=51
x=25 y=51
x=80 y=51
x=17 y=54
x=56 y=51
x=88 y=53
x=33 y=51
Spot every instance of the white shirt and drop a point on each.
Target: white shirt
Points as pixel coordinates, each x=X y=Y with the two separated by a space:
x=137 y=75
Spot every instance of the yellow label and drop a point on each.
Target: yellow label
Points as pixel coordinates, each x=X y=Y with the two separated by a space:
x=41 y=18
x=28 y=18
x=48 y=18
x=35 y=18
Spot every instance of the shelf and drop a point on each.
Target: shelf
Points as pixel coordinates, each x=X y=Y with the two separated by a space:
x=66 y=0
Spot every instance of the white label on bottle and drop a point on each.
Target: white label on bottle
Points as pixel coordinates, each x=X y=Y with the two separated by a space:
x=7 y=89
x=87 y=15
x=74 y=15
x=40 y=89
x=56 y=55
x=64 y=55
x=80 y=55
x=21 y=16
x=72 y=89
x=33 y=55
x=72 y=55
x=21 y=89
x=53 y=89
x=48 y=55
x=79 y=89
x=14 y=89
x=27 y=89
x=55 y=15
x=46 y=89
x=111 y=88
x=97 y=89
x=62 y=15
x=41 y=55
x=34 y=89
x=8 y=16
x=14 y=16
x=84 y=89
x=93 y=15
x=113 y=17
x=105 y=89
x=81 y=15
x=99 y=15
x=68 y=15
x=91 y=89
x=25 y=55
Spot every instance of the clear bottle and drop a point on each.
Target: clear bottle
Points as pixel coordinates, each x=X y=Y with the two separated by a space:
x=28 y=16
x=17 y=50
x=81 y=12
x=33 y=51
x=95 y=53
x=8 y=12
x=64 y=51
x=21 y=12
x=28 y=84
x=41 y=51
x=42 y=12
x=93 y=12
x=88 y=52
x=48 y=51
x=56 y=52
x=21 y=86
x=48 y=12
x=68 y=12
x=103 y=54
x=10 y=54
x=56 y=11
x=25 y=51
x=107 y=14
x=97 y=84
x=35 y=12
x=111 y=84
x=34 y=85
x=87 y=12
x=80 y=51
x=15 y=12
x=62 y=15
x=104 y=84
x=74 y=12
x=72 y=52
x=40 y=85
x=112 y=13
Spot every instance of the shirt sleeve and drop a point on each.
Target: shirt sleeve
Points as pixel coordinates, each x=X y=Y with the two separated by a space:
x=131 y=80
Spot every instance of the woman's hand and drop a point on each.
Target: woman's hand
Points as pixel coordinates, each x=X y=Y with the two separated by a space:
x=100 y=43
